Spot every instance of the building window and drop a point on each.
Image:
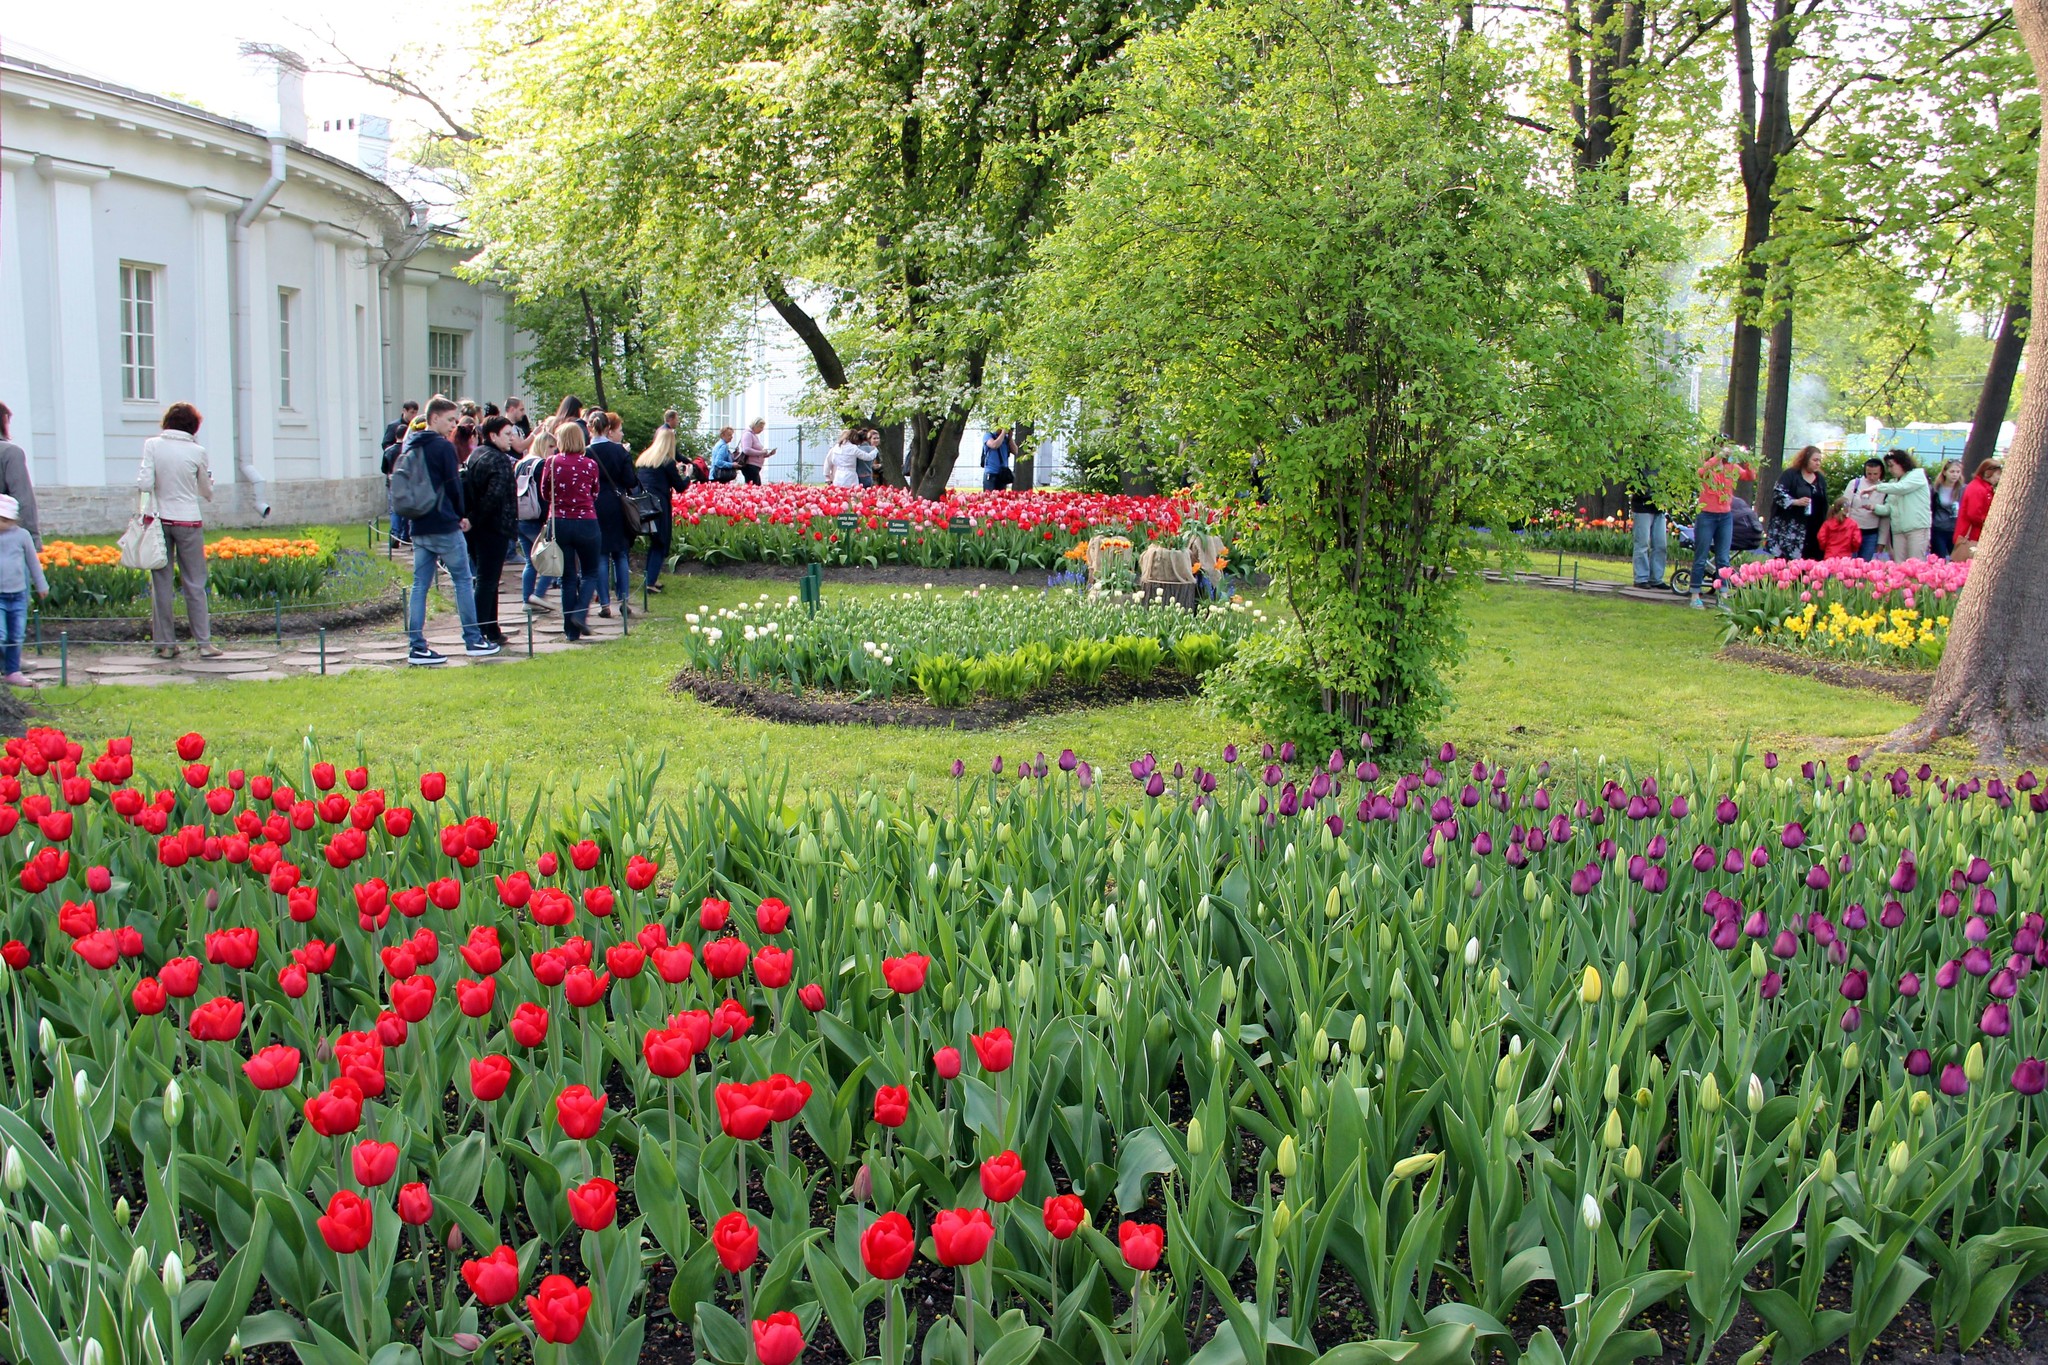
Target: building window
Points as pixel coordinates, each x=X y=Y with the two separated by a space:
x=285 y=298
x=138 y=333
x=445 y=374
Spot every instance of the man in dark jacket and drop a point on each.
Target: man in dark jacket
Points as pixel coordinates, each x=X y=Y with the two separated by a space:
x=394 y=431
x=437 y=540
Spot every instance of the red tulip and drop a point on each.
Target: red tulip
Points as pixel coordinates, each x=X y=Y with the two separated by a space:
x=346 y=1226
x=98 y=880
x=474 y=998
x=888 y=1247
x=1141 y=1243
x=374 y=1162
x=584 y=987
x=180 y=977
x=947 y=1062
x=594 y=1204
x=892 y=1105
x=625 y=960
x=445 y=893
x=494 y=1279
x=1064 y=1215
x=273 y=1068
x=191 y=746
x=994 y=1049
x=550 y=967
x=740 y=1113
x=337 y=1110
x=101 y=949
x=415 y=1205
x=599 y=900
x=730 y=1020
x=323 y=776
x=434 y=786
x=737 y=1240
x=771 y=916
x=725 y=958
x=412 y=998
x=391 y=1028
x=558 y=1308
x=148 y=997
x=217 y=1021
x=579 y=1112
x=906 y=974
x=399 y=962
x=232 y=948
x=584 y=855
x=667 y=1051
x=78 y=920
x=294 y=981
x=314 y=955
x=640 y=872
x=15 y=954
x=529 y=1025
x=482 y=953
x=488 y=1077
x=774 y=966
x=712 y=914
x=1002 y=1176
x=960 y=1236
x=547 y=864
x=813 y=997
x=778 y=1339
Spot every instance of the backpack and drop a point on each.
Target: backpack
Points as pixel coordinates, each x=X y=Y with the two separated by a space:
x=526 y=485
x=413 y=493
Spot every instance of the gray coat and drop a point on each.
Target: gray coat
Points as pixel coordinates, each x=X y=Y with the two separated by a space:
x=16 y=484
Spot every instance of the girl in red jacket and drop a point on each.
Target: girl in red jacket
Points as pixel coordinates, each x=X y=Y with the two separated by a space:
x=1840 y=536
x=1976 y=507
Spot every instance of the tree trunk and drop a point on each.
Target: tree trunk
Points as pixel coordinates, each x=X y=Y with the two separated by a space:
x=1765 y=132
x=596 y=349
x=1025 y=465
x=1996 y=394
x=1777 y=410
x=1992 y=686
x=933 y=450
x=889 y=468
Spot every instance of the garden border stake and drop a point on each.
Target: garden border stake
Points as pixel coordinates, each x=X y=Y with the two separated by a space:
x=277 y=618
x=64 y=658
x=39 y=633
x=323 y=651
x=529 y=630
x=1575 y=575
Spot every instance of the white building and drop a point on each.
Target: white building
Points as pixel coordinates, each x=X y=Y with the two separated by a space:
x=151 y=252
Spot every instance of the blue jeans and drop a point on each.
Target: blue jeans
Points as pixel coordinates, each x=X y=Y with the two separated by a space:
x=445 y=549
x=531 y=584
x=1651 y=539
x=615 y=577
x=1868 y=549
x=1713 y=533
x=13 y=629
x=582 y=566
x=401 y=527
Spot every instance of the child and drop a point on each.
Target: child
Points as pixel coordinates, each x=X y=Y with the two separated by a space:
x=1840 y=536
x=20 y=568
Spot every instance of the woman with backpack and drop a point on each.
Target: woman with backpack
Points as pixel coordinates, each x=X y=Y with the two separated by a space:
x=531 y=508
x=488 y=493
x=661 y=478
x=615 y=477
x=569 y=487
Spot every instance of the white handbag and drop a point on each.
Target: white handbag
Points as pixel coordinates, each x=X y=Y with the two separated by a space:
x=142 y=544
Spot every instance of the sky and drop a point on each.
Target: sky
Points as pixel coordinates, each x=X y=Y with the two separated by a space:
x=190 y=50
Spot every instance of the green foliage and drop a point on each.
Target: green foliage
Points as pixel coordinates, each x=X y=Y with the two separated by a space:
x=1269 y=686
x=1016 y=674
x=943 y=679
x=1087 y=662
x=1195 y=655
x=646 y=368
x=1137 y=657
x=1395 y=323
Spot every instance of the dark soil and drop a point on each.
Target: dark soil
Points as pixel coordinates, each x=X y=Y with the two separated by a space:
x=1908 y=687
x=899 y=575
x=304 y=620
x=819 y=707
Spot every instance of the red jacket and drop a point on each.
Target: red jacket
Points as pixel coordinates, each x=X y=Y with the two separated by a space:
x=1976 y=507
x=1840 y=538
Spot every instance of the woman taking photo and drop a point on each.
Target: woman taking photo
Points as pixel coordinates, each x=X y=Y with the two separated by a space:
x=1948 y=500
x=569 y=487
x=661 y=478
x=1799 y=504
x=526 y=486
x=1904 y=504
x=174 y=479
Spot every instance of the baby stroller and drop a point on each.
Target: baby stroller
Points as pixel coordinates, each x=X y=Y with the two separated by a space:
x=1681 y=562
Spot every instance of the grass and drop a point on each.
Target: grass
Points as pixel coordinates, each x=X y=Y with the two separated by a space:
x=1546 y=672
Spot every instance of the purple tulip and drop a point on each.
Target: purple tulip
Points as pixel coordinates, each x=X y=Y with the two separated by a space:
x=1368 y=772
x=1770 y=760
x=2030 y=1077
x=1178 y=772
x=1319 y=786
x=1560 y=829
x=1997 y=1020
x=1637 y=866
x=1287 y=752
x=1759 y=857
x=1262 y=805
x=1822 y=928
x=1725 y=811
x=2026 y=781
x=2005 y=985
x=1806 y=770
x=1726 y=934
x=1605 y=848
x=1786 y=944
x=1658 y=847
x=1953 y=1081
x=1680 y=808
x=1852 y=1019
x=1068 y=760
x=1290 y=801
x=1978 y=873
x=1985 y=902
x=1517 y=856
x=959 y=768
x=1856 y=985
x=1155 y=785
x=1975 y=930
x=1273 y=774
x=1208 y=782
x=997 y=766
x=1948 y=973
x=1757 y=925
x=1541 y=800
x=1656 y=879
x=1855 y=917
x=1703 y=859
x=1855 y=762
x=1925 y=772
x=1468 y=796
x=1817 y=878
x=1892 y=916
x=1909 y=985
x=1793 y=835
x=1838 y=953
x=1266 y=752
x=1584 y=879
x=1482 y=843
x=1977 y=962
x=1857 y=832
x=1087 y=776
x=1732 y=861
x=1950 y=905
x=2038 y=802
x=1919 y=1062
x=1536 y=840
x=1770 y=986
x=1335 y=823
x=1430 y=776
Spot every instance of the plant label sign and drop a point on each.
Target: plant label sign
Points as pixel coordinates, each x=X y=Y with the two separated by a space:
x=849 y=521
x=899 y=527
x=958 y=524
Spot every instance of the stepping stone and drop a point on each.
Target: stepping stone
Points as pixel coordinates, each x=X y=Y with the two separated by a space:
x=228 y=667
x=236 y=655
x=117 y=670
x=381 y=655
x=152 y=680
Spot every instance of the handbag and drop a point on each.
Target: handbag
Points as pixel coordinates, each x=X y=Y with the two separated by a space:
x=631 y=511
x=546 y=554
x=142 y=544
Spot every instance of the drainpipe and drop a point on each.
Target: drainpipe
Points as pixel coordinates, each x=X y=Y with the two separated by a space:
x=245 y=325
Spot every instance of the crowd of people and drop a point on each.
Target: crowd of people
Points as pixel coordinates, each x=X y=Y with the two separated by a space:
x=1890 y=510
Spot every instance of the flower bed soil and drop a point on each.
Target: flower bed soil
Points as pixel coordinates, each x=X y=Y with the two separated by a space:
x=891 y=575
x=249 y=622
x=818 y=707
x=1907 y=687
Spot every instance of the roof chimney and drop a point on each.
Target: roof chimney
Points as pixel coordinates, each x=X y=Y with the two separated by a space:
x=291 y=86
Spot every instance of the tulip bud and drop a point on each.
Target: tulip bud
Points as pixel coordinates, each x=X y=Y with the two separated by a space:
x=1644 y=1097
x=173 y=1276
x=42 y=1241
x=1759 y=965
x=1308 y=1100
x=1397 y=1045
x=861 y=918
x=1284 y=1160
x=1386 y=939
x=1632 y=1162
x=1589 y=1213
x=1471 y=952
x=454 y=1239
x=1529 y=887
x=1096 y=957
x=81 y=1088
x=138 y=1266
x=1472 y=880
x=1229 y=987
x=1330 y=904
x=1459 y=1041
x=1105 y=1004
x=467 y=1341
x=174 y=1103
x=1016 y=940
x=1359 y=1037
x=13 y=1172
x=1612 y=1090
x=94 y=1354
x=1621 y=981
x=1216 y=1046
x=1710 y=1093
x=1973 y=1064
x=1549 y=905
x=46 y=1037
x=1451 y=937
x=1852 y=1057
x=1283 y=1219
x=1897 y=1159
x=1504 y=1073
x=1407 y=1168
x=1920 y=1103
x=1756 y=1093
x=1828 y=1168
x=1610 y=1136
x=1589 y=986
x=1874 y=1120
x=1027 y=980
x=1195 y=1140
x=1059 y=923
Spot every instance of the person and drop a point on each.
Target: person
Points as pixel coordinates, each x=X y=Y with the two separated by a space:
x=1651 y=532
x=662 y=478
x=754 y=452
x=1799 y=504
x=400 y=527
x=571 y=410
x=464 y=438
x=1862 y=496
x=394 y=430
x=1713 y=530
x=176 y=478
x=569 y=486
x=724 y=467
x=437 y=541
x=1946 y=500
x=15 y=479
x=21 y=569
x=531 y=508
x=870 y=448
x=1839 y=536
x=1976 y=507
x=487 y=492
x=672 y=420
x=1905 y=505
x=1747 y=529
x=842 y=461
x=615 y=476
x=996 y=450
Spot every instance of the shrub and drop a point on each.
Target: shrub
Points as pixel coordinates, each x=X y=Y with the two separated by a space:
x=943 y=679
x=1268 y=686
x=1137 y=657
x=1087 y=662
x=1197 y=654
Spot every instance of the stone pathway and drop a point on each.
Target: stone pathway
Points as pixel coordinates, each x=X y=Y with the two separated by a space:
x=382 y=647
x=1596 y=586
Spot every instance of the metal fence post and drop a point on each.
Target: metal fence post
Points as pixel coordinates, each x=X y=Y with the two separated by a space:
x=64 y=659
x=529 y=630
x=277 y=617
x=323 y=651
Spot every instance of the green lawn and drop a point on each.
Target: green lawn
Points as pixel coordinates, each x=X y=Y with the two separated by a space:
x=1546 y=673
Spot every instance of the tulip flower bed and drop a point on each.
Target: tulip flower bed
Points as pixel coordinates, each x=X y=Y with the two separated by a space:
x=1577 y=534
x=1870 y=611
x=1229 y=1065
x=89 y=580
x=951 y=649
x=790 y=523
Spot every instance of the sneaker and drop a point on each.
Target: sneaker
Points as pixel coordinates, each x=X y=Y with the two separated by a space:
x=605 y=612
x=540 y=604
x=654 y=588
x=1696 y=604
x=425 y=658
x=18 y=679
x=484 y=650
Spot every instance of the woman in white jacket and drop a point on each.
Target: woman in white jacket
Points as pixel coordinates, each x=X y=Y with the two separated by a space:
x=174 y=480
x=842 y=462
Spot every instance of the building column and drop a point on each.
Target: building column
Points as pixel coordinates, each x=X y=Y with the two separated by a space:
x=412 y=335
x=15 y=330
x=336 y=313
x=80 y=360
x=211 y=311
x=259 y=331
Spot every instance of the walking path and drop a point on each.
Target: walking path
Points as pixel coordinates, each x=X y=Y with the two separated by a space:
x=1597 y=586
x=382 y=646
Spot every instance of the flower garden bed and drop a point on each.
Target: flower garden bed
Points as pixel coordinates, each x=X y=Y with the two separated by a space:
x=253 y=588
x=1907 y=685
x=376 y=1066
x=988 y=713
x=1873 y=612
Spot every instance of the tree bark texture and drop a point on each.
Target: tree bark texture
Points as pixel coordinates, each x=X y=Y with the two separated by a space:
x=1764 y=138
x=1996 y=395
x=1992 y=686
x=1777 y=410
x=596 y=349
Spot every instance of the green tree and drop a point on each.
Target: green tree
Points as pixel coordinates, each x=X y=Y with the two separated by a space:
x=1315 y=235
x=876 y=170
x=611 y=348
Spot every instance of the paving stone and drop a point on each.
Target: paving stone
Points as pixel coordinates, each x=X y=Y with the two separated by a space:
x=227 y=666
x=152 y=680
